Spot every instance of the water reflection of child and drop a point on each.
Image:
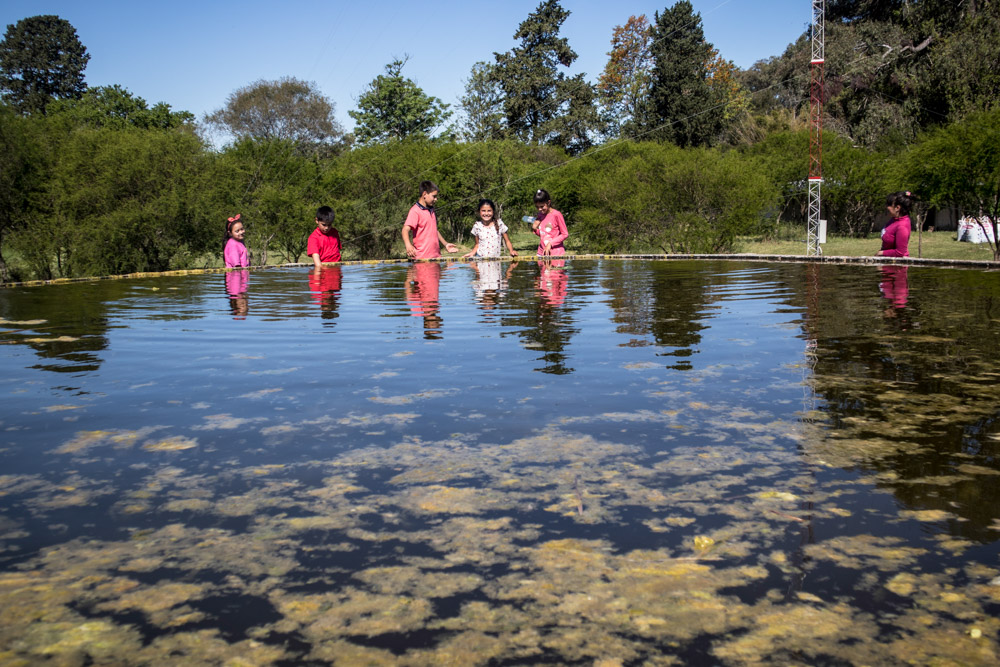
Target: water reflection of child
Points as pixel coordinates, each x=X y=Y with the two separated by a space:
x=490 y=233
x=422 y=284
x=490 y=281
x=234 y=253
x=896 y=235
x=549 y=225
x=236 y=287
x=551 y=283
x=324 y=284
x=895 y=285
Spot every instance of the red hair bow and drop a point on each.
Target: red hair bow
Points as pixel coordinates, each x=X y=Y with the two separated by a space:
x=234 y=219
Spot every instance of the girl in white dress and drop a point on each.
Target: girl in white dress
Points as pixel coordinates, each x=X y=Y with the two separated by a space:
x=490 y=233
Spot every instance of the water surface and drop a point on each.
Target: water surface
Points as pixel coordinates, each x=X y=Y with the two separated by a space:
x=583 y=462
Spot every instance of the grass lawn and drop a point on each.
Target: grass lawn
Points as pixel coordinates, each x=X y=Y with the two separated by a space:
x=931 y=245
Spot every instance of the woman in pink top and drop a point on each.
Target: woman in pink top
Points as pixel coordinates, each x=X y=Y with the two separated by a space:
x=549 y=225
x=896 y=235
x=233 y=251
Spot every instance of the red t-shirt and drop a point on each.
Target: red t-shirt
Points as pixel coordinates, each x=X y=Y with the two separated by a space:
x=423 y=223
x=327 y=244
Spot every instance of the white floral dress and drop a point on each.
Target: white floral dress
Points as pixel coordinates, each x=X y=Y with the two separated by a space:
x=490 y=240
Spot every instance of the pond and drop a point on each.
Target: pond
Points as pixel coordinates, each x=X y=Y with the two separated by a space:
x=582 y=462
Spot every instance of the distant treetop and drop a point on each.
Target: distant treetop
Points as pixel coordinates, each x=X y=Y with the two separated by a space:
x=41 y=59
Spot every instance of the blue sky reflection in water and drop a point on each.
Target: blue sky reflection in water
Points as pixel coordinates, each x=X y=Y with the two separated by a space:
x=624 y=461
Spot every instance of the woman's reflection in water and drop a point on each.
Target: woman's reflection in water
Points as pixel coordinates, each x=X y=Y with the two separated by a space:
x=236 y=287
x=422 y=281
x=895 y=287
x=324 y=283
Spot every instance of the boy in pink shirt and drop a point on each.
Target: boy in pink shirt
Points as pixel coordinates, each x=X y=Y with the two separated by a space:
x=324 y=242
x=421 y=221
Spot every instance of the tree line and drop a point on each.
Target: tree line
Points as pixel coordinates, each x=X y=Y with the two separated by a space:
x=674 y=149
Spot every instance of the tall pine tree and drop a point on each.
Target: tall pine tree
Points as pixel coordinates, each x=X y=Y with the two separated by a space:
x=681 y=100
x=541 y=104
x=41 y=59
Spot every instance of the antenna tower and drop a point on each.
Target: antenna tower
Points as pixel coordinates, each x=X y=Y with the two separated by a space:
x=815 y=127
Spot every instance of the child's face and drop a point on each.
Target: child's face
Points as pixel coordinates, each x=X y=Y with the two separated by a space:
x=325 y=227
x=428 y=199
x=543 y=208
x=237 y=231
x=486 y=213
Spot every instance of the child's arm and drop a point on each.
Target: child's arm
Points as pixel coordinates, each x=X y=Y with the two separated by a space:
x=474 y=250
x=562 y=233
x=510 y=246
x=411 y=252
x=316 y=262
x=450 y=247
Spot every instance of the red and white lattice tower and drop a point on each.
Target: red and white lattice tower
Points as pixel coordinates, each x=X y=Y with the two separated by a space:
x=815 y=128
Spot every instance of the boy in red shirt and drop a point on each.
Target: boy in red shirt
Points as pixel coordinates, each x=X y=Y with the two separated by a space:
x=324 y=242
x=422 y=222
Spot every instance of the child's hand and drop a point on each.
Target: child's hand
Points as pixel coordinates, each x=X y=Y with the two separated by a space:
x=451 y=247
x=468 y=255
x=513 y=253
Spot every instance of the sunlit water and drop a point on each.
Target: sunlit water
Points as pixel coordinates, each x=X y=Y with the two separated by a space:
x=603 y=462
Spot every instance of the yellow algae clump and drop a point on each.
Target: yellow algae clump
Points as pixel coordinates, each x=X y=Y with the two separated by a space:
x=173 y=444
x=188 y=505
x=703 y=543
x=59 y=339
x=903 y=583
x=777 y=495
x=928 y=515
x=156 y=598
x=448 y=499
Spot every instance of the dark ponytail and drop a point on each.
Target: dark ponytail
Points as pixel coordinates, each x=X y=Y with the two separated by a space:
x=904 y=200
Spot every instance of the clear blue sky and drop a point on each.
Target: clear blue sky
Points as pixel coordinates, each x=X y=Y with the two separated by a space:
x=192 y=55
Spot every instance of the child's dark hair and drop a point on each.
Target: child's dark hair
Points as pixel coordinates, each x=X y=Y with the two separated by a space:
x=428 y=186
x=904 y=200
x=325 y=214
x=542 y=196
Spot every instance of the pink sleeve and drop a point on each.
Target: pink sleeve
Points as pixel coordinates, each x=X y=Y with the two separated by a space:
x=563 y=233
x=411 y=218
x=902 y=242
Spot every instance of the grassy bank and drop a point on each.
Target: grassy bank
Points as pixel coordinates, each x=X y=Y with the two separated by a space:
x=931 y=245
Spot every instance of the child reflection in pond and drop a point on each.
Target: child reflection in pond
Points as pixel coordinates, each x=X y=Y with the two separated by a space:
x=895 y=287
x=422 y=281
x=324 y=284
x=490 y=282
x=551 y=283
x=236 y=287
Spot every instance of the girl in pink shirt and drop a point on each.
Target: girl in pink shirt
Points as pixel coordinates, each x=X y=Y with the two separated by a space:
x=549 y=225
x=233 y=251
x=896 y=235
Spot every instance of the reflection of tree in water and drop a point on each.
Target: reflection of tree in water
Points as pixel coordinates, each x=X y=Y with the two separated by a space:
x=913 y=392
x=546 y=319
x=72 y=322
x=665 y=300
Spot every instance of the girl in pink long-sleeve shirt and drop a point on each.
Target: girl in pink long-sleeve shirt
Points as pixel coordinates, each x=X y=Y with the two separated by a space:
x=896 y=235
x=234 y=253
x=549 y=225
